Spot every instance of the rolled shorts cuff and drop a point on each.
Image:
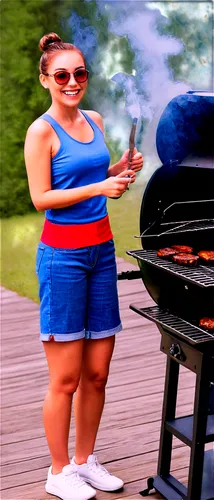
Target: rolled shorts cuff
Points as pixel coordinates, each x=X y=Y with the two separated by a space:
x=104 y=333
x=62 y=337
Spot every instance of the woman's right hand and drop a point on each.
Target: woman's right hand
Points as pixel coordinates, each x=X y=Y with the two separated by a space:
x=113 y=187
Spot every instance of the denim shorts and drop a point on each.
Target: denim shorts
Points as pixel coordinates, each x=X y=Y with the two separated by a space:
x=78 y=292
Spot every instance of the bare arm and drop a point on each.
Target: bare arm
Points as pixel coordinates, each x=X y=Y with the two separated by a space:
x=113 y=169
x=38 y=165
x=122 y=164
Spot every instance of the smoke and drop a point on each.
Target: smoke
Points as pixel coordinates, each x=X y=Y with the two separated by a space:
x=153 y=79
x=127 y=83
x=150 y=87
x=84 y=36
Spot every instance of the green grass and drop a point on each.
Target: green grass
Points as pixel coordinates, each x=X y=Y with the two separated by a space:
x=20 y=236
x=125 y=220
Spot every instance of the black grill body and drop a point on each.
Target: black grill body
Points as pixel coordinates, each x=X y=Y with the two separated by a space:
x=178 y=208
x=182 y=189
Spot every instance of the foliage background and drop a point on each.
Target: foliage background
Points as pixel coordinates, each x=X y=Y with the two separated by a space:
x=88 y=24
x=23 y=24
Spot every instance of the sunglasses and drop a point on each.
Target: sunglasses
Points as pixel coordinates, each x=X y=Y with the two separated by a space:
x=63 y=77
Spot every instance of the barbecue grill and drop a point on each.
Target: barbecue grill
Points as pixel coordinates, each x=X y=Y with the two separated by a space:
x=178 y=209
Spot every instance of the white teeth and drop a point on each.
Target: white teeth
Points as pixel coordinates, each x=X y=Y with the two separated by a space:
x=70 y=93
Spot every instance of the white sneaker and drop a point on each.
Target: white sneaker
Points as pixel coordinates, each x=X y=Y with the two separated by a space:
x=68 y=485
x=95 y=474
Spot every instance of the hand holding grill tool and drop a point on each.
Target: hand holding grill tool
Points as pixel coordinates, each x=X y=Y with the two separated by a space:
x=131 y=143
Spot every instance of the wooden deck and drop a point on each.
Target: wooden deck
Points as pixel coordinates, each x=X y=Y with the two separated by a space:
x=128 y=437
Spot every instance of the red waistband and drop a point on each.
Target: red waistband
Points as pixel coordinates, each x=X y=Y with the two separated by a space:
x=76 y=235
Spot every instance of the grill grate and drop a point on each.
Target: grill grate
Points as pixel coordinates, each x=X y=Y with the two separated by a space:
x=200 y=275
x=192 y=226
x=175 y=324
x=178 y=227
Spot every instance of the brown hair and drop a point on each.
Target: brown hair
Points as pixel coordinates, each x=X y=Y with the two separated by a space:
x=51 y=43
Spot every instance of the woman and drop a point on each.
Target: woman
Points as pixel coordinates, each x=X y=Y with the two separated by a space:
x=69 y=177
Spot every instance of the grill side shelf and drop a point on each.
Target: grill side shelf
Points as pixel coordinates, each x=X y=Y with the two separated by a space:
x=174 y=324
x=203 y=278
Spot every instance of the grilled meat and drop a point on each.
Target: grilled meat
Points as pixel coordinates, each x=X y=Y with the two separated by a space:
x=183 y=248
x=186 y=259
x=207 y=255
x=166 y=253
x=207 y=323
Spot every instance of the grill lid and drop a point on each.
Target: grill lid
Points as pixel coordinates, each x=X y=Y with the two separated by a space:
x=174 y=324
x=186 y=128
x=182 y=188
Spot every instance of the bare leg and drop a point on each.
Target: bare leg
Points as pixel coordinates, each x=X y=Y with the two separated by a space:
x=90 y=395
x=64 y=362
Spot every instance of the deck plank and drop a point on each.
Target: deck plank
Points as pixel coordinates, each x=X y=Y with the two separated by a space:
x=128 y=438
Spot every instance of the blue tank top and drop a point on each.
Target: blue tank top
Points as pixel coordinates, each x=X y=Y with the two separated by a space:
x=78 y=164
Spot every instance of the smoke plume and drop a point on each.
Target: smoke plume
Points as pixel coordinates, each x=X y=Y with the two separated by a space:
x=149 y=88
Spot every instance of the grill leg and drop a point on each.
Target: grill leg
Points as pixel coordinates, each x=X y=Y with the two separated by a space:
x=169 y=408
x=201 y=406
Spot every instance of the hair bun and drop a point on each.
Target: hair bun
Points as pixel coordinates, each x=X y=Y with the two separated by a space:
x=46 y=40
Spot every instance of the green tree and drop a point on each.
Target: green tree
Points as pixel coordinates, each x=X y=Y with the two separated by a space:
x=191 y=23
x=23 y=24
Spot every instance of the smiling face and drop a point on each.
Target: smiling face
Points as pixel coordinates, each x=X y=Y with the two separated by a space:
x=71 y=93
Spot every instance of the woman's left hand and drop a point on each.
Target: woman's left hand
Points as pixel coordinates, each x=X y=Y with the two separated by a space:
x=136 y=162
x=135 y=165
